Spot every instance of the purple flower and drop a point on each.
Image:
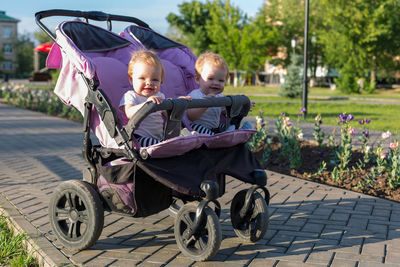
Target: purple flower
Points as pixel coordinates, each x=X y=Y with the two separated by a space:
x=320 y=122
x=299 y=114
x=321 y=154
x=361 y=122
x=366 y=133
x=349 y=117
x=283 y=114
x=262 y=125
x=303 y=110
x=367 y=121
x=342 y=117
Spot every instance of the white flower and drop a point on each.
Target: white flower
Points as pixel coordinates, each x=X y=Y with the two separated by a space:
x=367 y=149
x=259 y=119
x=300 y=136
x=269 y=140
x=386 y=135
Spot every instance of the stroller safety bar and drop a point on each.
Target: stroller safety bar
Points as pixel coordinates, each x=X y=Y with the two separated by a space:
x=93 y=15
x=237 y=105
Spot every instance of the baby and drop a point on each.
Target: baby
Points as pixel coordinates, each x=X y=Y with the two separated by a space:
x=146 y=73
x=211 y=74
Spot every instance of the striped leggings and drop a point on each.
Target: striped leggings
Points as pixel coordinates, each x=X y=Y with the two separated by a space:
x=201 y=129
x=147 y=141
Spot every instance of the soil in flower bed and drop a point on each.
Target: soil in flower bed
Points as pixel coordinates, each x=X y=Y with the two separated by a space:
x=312 y=156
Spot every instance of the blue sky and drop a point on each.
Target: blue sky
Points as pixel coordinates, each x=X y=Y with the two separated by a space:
x=153 y=12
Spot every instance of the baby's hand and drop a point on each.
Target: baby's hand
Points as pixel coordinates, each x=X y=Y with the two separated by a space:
x=155 y=99
x=188 y=98
x=211 y=95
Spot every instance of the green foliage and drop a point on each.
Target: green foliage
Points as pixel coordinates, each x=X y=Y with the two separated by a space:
x=24 y=50
x=54 y=75
x=42 y=37
x=12 y=249
x=292 y=87
x=361 y=37
x=191 y=23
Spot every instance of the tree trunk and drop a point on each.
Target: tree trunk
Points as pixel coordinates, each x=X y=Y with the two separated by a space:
x=373 y=73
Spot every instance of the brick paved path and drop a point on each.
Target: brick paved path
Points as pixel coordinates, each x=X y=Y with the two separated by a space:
x=310 y=224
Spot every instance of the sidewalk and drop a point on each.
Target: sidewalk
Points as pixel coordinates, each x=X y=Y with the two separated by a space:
x=310 y=224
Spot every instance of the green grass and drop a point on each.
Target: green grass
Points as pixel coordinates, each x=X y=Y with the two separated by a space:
x=12 y=250
x=315 y=91
x=383 y=117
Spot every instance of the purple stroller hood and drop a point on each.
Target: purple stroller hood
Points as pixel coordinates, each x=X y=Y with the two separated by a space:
x=108 y=63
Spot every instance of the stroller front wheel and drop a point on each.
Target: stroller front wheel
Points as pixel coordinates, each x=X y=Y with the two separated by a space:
x=76 y=214
x=204 y=244
x=254 y=224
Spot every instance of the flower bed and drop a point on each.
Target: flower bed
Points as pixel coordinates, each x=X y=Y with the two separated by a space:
x=368 y=169
x=39 y=100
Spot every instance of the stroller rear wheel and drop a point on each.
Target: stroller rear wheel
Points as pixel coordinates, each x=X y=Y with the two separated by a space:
x=254 y=224
x=76 y=214
x=204 y=243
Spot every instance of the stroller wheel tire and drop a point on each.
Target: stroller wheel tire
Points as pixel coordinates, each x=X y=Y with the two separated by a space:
x=204 y=244
x=254 y=225
x=76 y=214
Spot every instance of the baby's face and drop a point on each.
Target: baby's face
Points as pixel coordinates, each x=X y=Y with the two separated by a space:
x=212 y=79
x=146 y=79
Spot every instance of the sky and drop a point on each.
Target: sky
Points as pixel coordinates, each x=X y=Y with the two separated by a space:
x=153 y=12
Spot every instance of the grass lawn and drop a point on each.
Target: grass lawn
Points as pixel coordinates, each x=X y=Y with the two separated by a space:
x=383 y=117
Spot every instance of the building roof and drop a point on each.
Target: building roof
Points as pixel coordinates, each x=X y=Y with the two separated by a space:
x=4 y=17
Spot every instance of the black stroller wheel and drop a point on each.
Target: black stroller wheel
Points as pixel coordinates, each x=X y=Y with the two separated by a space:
x=254 y=225
x=204 y=244
x=76 y=214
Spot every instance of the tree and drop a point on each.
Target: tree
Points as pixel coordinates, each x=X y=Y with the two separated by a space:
x=191 y=23
x=292 y=87
x=226 y=30
x=362 y=37
x=24 y=50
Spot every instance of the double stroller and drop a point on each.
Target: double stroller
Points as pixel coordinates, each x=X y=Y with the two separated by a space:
x=184 y=174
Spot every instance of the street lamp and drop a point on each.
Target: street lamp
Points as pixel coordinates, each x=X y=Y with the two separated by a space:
x=305 y=80
x=293 y=43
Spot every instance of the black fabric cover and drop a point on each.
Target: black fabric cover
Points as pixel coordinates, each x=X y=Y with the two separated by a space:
x=89 y=38
x=185 y=173
x=150 y=195
x=151 y=39
x=155 y=180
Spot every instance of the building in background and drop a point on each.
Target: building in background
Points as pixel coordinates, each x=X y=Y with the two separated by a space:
x=8 y=31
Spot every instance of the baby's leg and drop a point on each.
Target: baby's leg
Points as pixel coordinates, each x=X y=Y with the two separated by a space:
x=147 y=141
x=201 y=129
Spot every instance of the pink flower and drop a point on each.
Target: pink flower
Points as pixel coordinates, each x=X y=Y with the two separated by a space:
x=394 y=145
x=383 y=155
x=351 y=131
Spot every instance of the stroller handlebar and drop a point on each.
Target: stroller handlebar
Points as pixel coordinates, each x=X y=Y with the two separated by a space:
x=93 y=15
x=237 y=105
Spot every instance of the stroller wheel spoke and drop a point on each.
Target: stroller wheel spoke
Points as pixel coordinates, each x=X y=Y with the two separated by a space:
x=187 y=220
x=83 y=216
x=202 y=244
x=72 y=231
x=62 y=214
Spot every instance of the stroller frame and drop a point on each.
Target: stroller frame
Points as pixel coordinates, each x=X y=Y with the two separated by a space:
x=245 y=205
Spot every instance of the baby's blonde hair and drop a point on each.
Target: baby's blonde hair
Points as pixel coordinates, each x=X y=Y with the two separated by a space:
x=146 y=57
x=213 y=58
